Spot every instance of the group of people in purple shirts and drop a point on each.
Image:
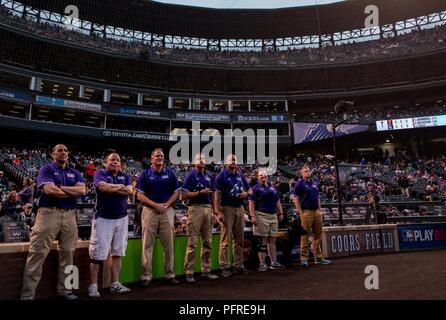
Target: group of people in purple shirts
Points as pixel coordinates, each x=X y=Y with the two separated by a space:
x=209 y=200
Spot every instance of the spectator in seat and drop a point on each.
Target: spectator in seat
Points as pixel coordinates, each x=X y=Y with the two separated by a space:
x=3 y=180
x=90 y=170
x=28 y=216
x=12 y=206
x=403 y=183
x=27 y=193
x=429 y=193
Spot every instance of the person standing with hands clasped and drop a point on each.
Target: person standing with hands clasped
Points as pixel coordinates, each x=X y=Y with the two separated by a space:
x=308 y=205
x=198 y=188
x=157 y=189
x=266 y=212
x=231 y=189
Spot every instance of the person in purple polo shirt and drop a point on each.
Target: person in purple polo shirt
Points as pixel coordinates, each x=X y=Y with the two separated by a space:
x=198 y=188
x=308 y=205
x=157 y=189
x=109 y=230
x=231 y=188
x=61 y=186
x=266 y=211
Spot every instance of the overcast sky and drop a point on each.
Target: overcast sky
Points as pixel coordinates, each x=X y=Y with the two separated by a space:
x=251 y=4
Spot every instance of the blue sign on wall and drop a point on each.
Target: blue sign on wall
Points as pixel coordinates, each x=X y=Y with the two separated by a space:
x=14 y=95
x=422 y=236
x=48 y=101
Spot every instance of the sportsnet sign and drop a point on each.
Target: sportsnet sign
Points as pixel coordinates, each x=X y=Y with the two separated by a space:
x=138 y=112
x=422 y=236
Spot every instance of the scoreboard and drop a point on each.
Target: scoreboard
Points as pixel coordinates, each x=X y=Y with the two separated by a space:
x=411 y=123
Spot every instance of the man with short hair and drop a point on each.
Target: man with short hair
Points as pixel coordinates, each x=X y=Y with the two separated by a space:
x=157 y=189
x=231 y=189
x=61 y=187
x=109 y=230
x=308 y=205
x=12 y=206
x=198 y=188
x=28 y=216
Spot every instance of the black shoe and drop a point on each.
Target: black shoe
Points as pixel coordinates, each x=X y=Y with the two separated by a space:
x=172 y=281
x=144 y=283
x=69 y=296
x=241 y=271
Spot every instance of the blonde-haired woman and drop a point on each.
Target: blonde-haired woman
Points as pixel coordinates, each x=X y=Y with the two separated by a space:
x=266 y=212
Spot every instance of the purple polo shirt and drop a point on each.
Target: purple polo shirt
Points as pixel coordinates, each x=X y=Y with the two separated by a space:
x=265 y=198
x=110 y=205
x=52 y=173
x=308 y=194
x=196 y=181
x=228 y=184
x=157 y=186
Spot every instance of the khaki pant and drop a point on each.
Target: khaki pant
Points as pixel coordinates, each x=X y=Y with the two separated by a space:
x=151 y=222
x=267 y=225
x=234 y=221
x=49 y=222
x=311 y=220
x=199 y=223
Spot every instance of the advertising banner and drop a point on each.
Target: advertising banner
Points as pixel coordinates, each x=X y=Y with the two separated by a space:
x=62 y=103
x=260 y=118
x=135 y=135
x=203 y=117
x=14 y=95
x=359 y=240
x=308 y=132
x=422 y=236
x=140 y=112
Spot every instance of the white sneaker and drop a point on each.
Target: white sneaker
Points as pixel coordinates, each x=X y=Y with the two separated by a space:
x=93 y=291
x=117 y=287
x=276 y=265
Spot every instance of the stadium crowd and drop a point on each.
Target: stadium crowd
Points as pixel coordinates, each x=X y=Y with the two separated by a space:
x=401 y=178
x=372 y=114
x=393 y=182
x=416 y=41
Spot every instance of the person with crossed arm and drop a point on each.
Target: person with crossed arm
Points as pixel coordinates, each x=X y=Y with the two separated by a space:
x=61 y=186
x=109 y=231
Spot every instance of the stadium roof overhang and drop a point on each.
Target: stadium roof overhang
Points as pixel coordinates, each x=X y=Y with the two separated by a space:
x=187 y=21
